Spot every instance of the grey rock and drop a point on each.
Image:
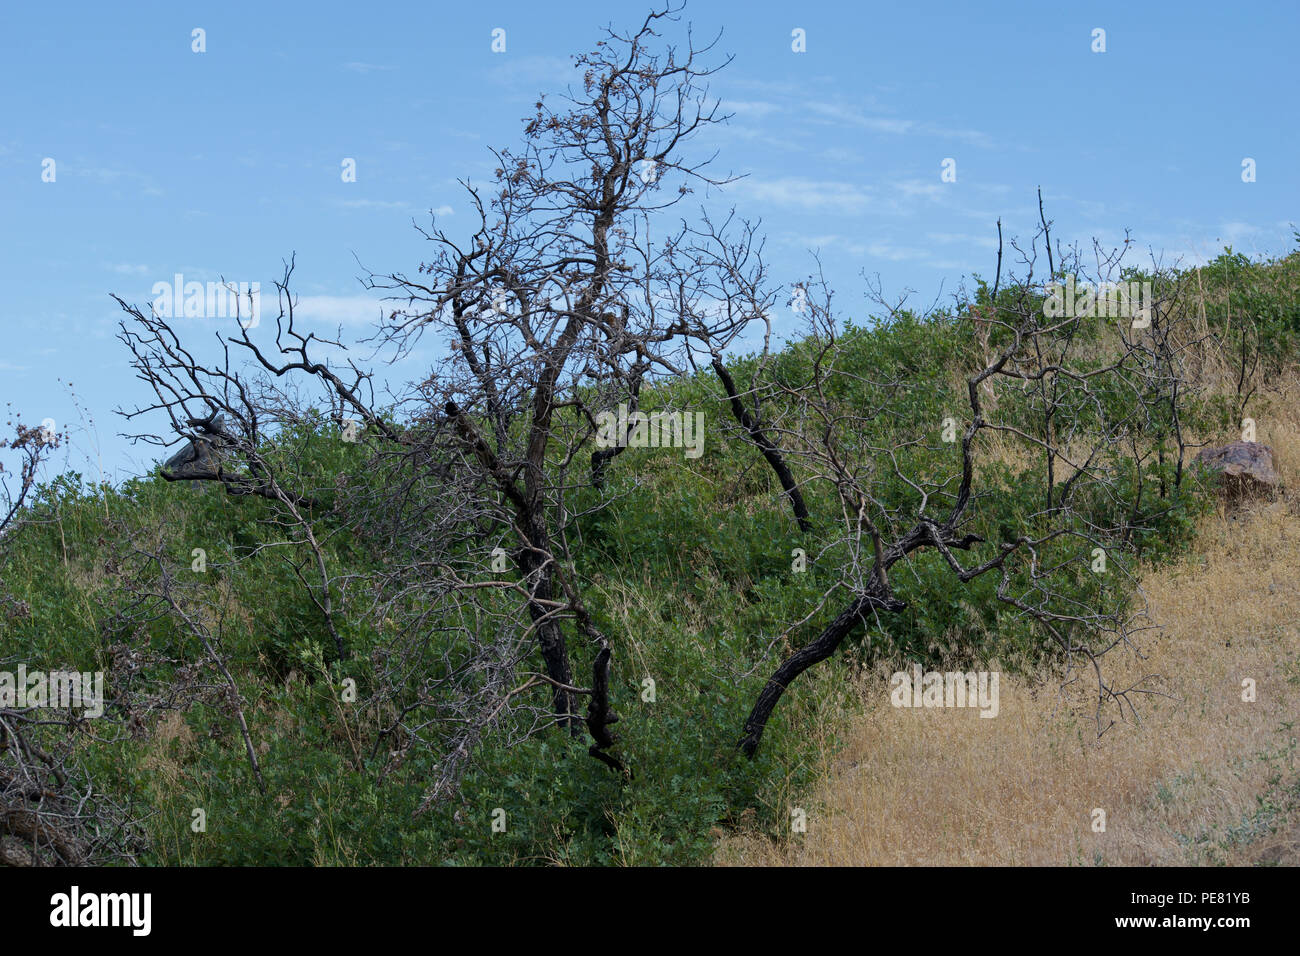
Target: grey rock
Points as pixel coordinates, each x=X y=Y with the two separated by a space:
x=1243 y=467
x=199 y=458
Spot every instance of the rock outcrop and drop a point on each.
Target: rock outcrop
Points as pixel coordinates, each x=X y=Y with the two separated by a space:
x=199 y=459
x=1244 y=468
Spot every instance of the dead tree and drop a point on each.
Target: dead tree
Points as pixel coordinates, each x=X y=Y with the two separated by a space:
x=1036 y=376
x=723 y=291
x=553 y=309
x=232 y=420
x=556 y=308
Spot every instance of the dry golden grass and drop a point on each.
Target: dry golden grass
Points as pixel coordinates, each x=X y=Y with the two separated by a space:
x=1203 y=777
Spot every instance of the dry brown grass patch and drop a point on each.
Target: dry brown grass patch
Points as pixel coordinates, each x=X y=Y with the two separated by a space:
x=1198 y=779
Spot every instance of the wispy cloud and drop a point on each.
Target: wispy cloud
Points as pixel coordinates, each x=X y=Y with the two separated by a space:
x=890 y=250
x=337 y=309
x=962 y=238
x=914 y=188
x=838 y=196
x=372 y=204
x=539 y=72
x=443 y=210
x=358 y=67
x=848 y=116
x=755 y=108
x=108 y=176
x=1236 y=231
x=894 y=252
x=843 y=115
x=809 y=194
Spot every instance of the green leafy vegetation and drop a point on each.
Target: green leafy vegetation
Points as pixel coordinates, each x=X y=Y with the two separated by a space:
x=690 y=561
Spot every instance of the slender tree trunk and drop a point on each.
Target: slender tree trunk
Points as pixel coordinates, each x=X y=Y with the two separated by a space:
x=810 y=654
x=599 y=714
x=536 y=569
x=533 y=558
x=765 y=445
x=601 y=458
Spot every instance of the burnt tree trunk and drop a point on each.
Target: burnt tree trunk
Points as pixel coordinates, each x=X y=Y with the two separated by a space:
x=535 y=564
x=807 y=656
x=765 y=445
x=876 y=596
x=601 y=458
x=599 y=714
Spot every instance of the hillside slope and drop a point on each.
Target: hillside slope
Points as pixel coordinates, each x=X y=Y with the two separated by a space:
x=1201 y=777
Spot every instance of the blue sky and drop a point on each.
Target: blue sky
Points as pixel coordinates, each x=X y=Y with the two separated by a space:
x=225 y=162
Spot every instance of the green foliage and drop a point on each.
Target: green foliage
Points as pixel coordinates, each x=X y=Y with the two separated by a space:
x=689 y=566
x=1257 y=301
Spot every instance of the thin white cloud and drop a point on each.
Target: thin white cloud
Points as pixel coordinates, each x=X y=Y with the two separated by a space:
x=911 y=188
x=807 y=194
x=817 y=242
x=545 y=72
x=333 y=310
x=443 y=210
x=107 y=176
x=755 y=108
x=962 y=238
x=838 y=154
x=1232 y=231
x=851 y=116
x=891 y=252
x=371 y=204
